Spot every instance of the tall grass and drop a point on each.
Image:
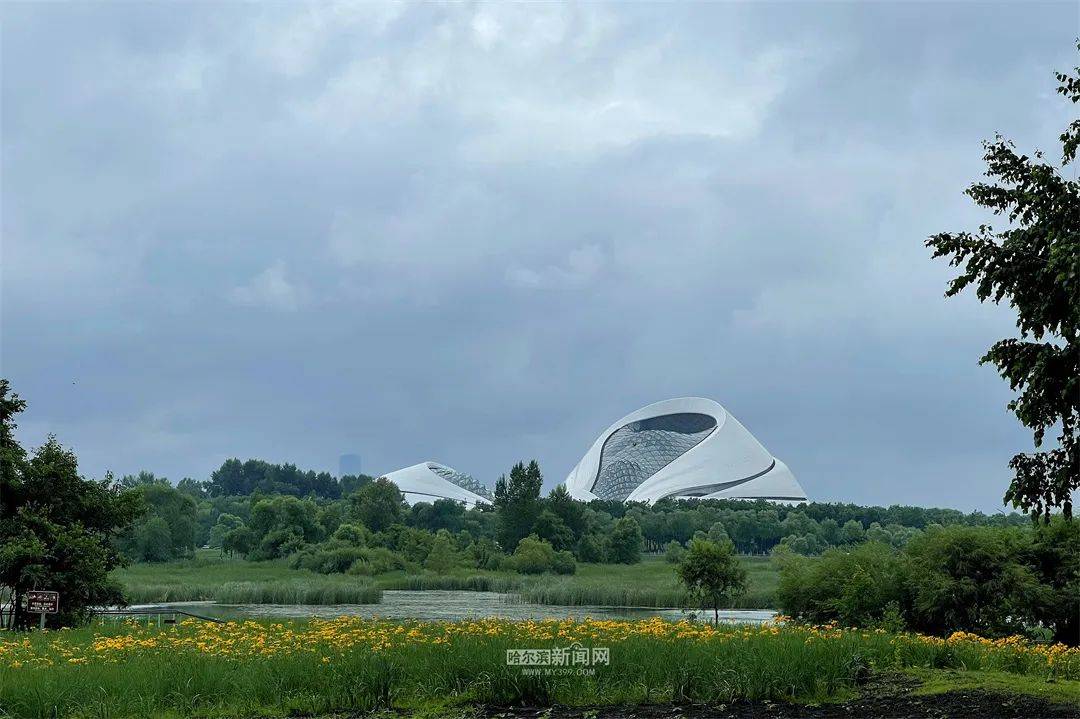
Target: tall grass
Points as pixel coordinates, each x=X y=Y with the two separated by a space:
x=468 y=582
x=307 y=591
x=562 y=592
x=241 y=582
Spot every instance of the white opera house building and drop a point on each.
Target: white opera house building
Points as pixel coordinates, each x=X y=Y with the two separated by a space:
x=684 y=448
x=429 y=481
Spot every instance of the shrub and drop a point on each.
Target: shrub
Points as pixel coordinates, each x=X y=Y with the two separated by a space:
x=973 y=579
x=992 y=581
x=673 y=552
x=536 y=556
x=564 y=563
x=377 y=560
x=852 y=587
x=485 y=554
x=278 y=543
x=355 y=534
x=326 y=559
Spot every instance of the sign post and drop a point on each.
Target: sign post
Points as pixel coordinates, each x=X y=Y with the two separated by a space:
x=42 y=602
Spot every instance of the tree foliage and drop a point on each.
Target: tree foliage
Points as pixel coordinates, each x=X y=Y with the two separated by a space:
x=235 y=477
x=378 y=504
x=56 y=528
x=992 y=581
x=624 y=542
x=711 y=574
x=1034 y=265
x=517 y=504
x=169 y=528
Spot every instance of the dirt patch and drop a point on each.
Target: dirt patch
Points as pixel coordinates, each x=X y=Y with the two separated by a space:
x=887 y=697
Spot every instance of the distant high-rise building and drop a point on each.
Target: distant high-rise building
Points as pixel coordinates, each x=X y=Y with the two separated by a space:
x=349 y=464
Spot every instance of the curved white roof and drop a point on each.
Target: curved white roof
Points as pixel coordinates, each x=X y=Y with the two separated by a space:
x=685 y=447
x=429 y=481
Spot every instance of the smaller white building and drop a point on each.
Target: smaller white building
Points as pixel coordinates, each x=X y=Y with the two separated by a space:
x=430 y=481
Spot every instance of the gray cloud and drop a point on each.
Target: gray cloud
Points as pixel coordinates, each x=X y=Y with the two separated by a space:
x=481 y=233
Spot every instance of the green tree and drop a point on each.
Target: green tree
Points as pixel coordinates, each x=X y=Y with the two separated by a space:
x=240 y=540
x=517 y=504
x=442 y=557
x=589 y=549
x=805 y=544
x=195 y=490
x=717 y=534
x=674 y=552
x=378 y=504
x=225 y=523
x=441 y=514
x=829 y=531
x=166 y=503
x=1055 y=558
x=1034 y=264
x=852 y=532
x=569 y=510
x=625 y=541
x=711 y=574
x=282 y=524
x=55 y=526
x=153 y=540
x=549 y=526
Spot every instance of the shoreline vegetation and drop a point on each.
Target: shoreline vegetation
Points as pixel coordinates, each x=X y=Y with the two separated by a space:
x=208 y=577
x=348 y=664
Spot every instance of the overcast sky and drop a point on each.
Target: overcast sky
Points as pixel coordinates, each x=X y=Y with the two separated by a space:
x=479 y=233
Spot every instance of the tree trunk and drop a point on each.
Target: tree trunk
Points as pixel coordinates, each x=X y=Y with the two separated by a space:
x=716 y=615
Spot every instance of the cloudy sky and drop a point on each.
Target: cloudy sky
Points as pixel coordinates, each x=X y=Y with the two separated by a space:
x=478 y=233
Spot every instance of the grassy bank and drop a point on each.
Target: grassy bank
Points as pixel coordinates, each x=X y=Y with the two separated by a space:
x=348 y=664
x=207 y=577
x=651 y=583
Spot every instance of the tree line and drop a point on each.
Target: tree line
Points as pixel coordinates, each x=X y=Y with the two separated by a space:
x=265 y=525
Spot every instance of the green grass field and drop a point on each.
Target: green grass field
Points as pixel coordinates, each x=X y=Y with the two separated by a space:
x=316 y=668
x=651 y=583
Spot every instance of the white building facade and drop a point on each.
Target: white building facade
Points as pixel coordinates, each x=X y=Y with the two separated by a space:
x=683 y=448
x=430 y=481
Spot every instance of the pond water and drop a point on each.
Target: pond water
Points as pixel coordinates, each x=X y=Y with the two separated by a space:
x=435 y=605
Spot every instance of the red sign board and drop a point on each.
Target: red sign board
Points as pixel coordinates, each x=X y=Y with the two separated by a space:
x=38 y=602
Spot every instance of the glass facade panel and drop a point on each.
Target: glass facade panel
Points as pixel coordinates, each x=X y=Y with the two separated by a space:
x=464 y=481
x=639 y=450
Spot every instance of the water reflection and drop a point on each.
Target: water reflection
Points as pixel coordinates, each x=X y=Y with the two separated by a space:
x=447 y=605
